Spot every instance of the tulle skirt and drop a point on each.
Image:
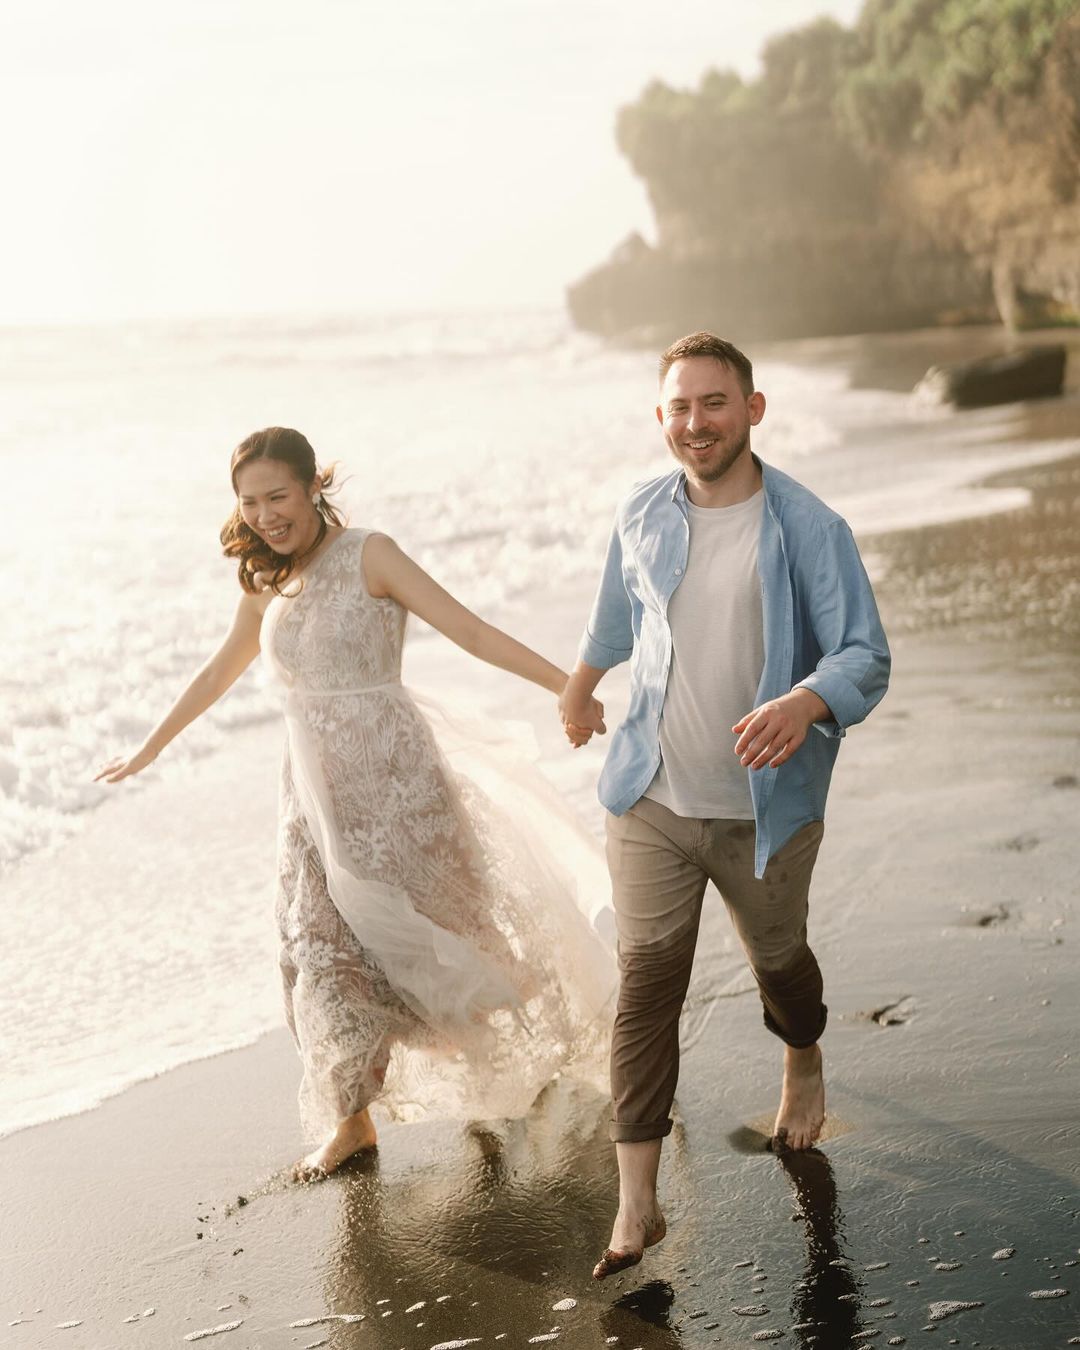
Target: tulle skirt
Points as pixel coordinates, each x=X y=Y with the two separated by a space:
x=444 y=921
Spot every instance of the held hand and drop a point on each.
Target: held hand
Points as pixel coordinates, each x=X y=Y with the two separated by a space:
x=119 y=768
x=773 y=732
x=580 y=717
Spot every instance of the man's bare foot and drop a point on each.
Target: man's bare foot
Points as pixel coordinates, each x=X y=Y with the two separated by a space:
x=802 y=1100
x=629 y=1238
x=352 y=1134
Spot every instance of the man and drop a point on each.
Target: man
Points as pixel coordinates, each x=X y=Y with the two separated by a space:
x=755 y=642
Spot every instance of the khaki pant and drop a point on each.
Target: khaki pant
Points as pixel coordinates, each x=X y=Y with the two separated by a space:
x=660 y=864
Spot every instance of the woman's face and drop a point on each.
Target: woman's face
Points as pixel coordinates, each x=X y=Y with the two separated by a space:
x=277 y=506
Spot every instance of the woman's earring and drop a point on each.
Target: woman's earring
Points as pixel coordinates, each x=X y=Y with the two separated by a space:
x=316 y=501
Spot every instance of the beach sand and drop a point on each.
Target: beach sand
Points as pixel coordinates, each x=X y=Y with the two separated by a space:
x=945 y=917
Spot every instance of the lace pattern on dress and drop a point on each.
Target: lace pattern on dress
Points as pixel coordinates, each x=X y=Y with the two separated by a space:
x=434 y=958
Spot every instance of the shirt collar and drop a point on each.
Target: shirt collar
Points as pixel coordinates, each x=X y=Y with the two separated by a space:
x=678 y=490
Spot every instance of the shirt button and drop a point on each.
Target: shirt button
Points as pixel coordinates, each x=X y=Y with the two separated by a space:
x=678 y=571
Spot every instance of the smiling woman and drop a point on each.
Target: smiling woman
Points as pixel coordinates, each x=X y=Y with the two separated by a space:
x=281 y=512
x=435 y=958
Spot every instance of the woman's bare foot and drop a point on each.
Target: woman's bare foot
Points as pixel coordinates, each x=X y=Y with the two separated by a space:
x=802 y=1099
x=352 y=1134
x=629 y=1238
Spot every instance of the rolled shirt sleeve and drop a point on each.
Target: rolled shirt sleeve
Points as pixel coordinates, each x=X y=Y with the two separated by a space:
x=852 y=673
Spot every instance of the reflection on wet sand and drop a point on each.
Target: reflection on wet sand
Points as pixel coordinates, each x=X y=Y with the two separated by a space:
x=485 y=1234
x=481 y=1244
x=647 y=1307
x=496 y=1244
x=824 y=1303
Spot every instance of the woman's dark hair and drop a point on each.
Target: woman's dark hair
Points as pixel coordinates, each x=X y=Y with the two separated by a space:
x=239 y=540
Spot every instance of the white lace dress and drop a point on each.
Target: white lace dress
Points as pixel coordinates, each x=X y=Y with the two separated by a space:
x=438 y=951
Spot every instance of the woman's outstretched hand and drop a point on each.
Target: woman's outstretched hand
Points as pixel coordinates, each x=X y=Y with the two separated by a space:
x=123 y=768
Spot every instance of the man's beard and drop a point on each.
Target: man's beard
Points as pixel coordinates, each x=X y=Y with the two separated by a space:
x=712 y=473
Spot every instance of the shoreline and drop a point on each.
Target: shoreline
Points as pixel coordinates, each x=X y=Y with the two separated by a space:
x=1009 y=578
x=915 y=570
x=944 y=910
x=940 y=1120
x=896 y=361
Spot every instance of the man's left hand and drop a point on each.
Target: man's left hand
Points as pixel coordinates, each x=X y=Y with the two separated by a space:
x=773 y=732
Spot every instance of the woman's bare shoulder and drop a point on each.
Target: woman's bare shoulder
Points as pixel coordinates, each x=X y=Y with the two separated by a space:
x=380 y=558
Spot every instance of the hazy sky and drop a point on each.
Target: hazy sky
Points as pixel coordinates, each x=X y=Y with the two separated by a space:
x=235 y=156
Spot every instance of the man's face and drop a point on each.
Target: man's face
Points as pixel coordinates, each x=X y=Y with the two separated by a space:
x=706 y=417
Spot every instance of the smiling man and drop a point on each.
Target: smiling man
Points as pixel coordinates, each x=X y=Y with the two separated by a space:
x=755 y=641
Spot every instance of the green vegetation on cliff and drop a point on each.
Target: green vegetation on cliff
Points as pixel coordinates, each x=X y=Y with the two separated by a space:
x=877 y=176
x=922 y=64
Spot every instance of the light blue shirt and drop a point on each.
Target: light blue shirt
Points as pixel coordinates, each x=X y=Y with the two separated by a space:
x=821 y=629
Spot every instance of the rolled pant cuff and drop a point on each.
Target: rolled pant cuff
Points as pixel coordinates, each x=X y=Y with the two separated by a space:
x=802 y=1042
x=633 y=1132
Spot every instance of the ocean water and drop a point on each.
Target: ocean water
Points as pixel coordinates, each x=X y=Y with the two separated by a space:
x=493 y=448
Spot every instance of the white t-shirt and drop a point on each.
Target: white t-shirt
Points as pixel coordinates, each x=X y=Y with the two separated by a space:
x=718 y=651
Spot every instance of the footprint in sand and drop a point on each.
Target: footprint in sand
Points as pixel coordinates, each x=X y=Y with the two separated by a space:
x=991 y=919
x=893 y=1014
x=1022 y=843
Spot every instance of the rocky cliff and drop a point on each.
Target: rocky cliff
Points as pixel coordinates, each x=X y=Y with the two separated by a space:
x=921 y=168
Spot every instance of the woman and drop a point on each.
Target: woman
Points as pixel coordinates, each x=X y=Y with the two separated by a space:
x=433 y=957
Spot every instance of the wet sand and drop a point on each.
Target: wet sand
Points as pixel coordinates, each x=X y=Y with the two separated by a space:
x=945 y=917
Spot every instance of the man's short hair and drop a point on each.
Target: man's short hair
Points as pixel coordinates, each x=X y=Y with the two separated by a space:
x=708 y=344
